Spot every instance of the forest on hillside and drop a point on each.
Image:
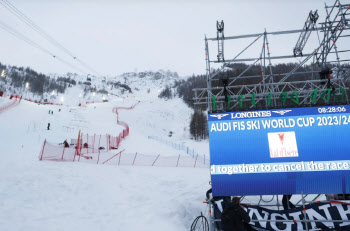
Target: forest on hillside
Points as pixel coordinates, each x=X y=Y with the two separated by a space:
x=20 y=79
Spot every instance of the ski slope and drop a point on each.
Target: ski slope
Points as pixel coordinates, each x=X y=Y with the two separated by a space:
x=46 y=195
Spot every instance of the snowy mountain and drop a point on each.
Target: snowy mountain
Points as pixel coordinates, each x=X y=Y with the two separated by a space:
x=51 y=195
x=79 y=89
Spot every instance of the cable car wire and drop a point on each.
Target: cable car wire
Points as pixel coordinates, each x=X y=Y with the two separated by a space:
x=34 y=44
x=44 y=34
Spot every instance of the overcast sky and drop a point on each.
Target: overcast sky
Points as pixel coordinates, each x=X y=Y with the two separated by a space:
x=123 y=36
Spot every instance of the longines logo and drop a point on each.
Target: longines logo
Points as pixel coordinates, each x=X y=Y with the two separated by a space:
x=250 y=114
x=282 y=112
x=219 y=116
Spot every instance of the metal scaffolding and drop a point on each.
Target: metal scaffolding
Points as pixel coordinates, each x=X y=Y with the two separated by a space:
x=304 y=36
x=326 y=84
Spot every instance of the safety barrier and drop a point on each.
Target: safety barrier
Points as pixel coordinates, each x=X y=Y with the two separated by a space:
x=54 y=152
x=109 y=142
x=114 y=142
x=60 y=152
x=50 y=151
x=159 y=160
x=176 y=146
x=95 y=142
x=12 y=104
x=89 y=147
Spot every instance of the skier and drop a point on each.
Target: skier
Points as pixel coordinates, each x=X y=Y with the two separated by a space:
x=48 y=126
x=66 y=145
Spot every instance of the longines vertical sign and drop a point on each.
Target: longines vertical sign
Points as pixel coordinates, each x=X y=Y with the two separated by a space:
x=285 y=151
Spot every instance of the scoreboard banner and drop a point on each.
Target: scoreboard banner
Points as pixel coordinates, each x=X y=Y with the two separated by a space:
x=280 y=151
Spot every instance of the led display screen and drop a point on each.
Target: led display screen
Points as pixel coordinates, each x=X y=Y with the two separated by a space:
x=281 y=151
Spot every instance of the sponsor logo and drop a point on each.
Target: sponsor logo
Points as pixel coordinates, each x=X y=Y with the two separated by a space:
x=333 y=212
x=282 y=112
x=219 y=116
x=250 y=114
x=282 y=144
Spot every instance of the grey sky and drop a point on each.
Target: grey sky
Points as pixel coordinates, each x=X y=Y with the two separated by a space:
x=121 y=36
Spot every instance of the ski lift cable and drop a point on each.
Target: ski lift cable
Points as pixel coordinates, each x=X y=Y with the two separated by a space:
x=35 y=27
x=31 y=24
x=26 y=20
x=39 y=30
x=34 y=44
x=17 y=34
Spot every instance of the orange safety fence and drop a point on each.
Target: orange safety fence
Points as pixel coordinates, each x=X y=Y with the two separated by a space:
x=115 y=141
x=54 y=152
x=15 y=101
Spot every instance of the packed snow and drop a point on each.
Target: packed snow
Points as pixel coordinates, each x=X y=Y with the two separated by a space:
x=49 y=195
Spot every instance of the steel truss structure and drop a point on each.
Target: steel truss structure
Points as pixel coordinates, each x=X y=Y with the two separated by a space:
x=272 y=90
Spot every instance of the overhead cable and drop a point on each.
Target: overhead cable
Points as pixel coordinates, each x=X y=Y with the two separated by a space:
x=40 y=31
x=34 y=44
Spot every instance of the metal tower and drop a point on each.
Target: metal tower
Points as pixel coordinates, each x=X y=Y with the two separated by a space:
x=220 y=37
x=291 y=89
x=304 y=36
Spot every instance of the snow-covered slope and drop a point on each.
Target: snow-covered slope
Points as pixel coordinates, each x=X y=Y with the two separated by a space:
x=43 y=195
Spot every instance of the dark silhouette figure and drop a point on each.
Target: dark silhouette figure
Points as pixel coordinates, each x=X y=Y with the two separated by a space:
x=235 y=218
x=48 y=126
x=66 y=145
x=217 y=202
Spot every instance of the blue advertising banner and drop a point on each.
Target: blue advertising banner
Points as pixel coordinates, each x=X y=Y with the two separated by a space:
x=280 y=151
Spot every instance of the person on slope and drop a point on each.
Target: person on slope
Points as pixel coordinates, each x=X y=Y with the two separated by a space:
x=235 y=218
x=65 y=143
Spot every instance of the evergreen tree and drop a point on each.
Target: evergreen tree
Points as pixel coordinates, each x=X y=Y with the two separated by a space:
x=199 y=125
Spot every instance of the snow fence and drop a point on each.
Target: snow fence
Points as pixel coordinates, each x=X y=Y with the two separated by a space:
x=15 y=101
x=85 y=145
x=102 y=149
x=54 y=152
x=180 y=147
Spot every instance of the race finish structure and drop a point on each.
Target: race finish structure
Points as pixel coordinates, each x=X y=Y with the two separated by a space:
x=280 y=151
